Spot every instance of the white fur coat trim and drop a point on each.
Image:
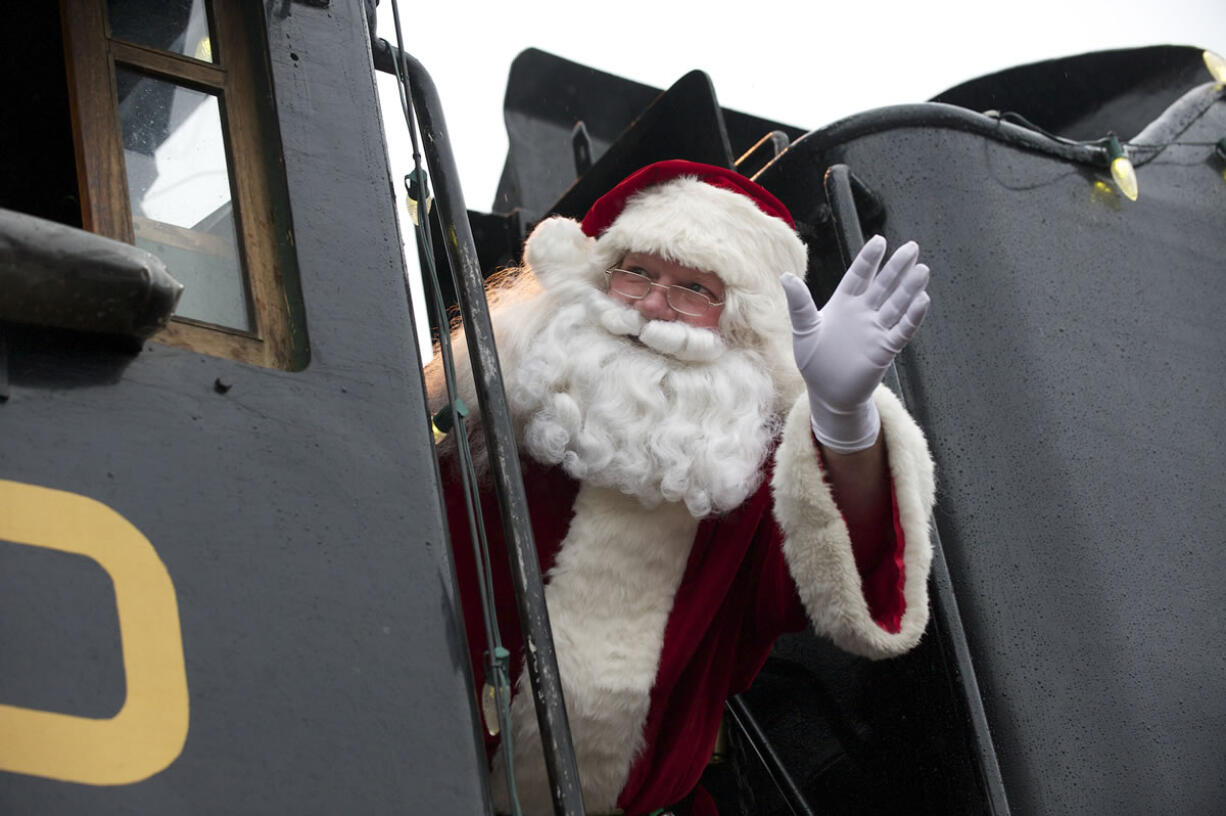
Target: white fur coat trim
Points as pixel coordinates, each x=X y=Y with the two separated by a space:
x=707 y=227
x=818 y=546
x=559 y=253
x=609 y=594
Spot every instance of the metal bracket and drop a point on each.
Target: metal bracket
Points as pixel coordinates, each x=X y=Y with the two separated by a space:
x=581 y=146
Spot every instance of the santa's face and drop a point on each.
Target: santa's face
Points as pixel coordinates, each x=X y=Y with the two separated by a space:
x=661 y=289
x=657 y=407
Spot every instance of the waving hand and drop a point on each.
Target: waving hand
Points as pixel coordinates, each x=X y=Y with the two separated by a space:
x=844 y=349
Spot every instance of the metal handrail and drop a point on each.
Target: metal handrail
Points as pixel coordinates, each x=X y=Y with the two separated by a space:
x=838 y=185
x=749 y=727
x=540 y=657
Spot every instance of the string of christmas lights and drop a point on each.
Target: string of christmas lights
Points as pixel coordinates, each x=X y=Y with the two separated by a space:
x=1114 y=153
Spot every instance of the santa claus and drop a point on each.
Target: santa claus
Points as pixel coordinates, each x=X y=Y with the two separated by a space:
x=702 y=472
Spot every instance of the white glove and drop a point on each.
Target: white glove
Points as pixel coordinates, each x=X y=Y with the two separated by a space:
x=843 y=350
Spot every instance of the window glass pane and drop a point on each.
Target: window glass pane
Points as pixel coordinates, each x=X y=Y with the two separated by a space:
x=177 y=26
x=179 y=189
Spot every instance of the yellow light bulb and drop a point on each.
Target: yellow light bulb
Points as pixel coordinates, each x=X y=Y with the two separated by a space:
x=204 y=50
x=1125 y=177
x=1121 y=168
x=489 y=709
x=1216 y=66
x=414 y=210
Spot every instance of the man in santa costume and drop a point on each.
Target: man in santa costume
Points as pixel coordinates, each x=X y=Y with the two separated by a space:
x=709 y=460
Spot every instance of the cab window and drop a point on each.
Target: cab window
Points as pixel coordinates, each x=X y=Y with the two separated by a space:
x=171 y=122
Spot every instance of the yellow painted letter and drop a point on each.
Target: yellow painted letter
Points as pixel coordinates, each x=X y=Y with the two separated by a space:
x=148 y=732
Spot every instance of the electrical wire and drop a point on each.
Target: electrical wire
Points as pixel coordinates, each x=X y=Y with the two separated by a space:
x=496 y=655
x=1016 y=118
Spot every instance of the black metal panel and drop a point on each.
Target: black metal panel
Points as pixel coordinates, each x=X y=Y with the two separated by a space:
x=548 y=95
x=1085 y=96
x=685 y=122
x=1069 y=379
x=297 y=514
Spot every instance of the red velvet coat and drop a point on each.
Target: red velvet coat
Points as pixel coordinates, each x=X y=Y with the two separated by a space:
x=736 y=597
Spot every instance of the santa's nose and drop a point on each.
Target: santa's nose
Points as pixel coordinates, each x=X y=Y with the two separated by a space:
x=655 y=305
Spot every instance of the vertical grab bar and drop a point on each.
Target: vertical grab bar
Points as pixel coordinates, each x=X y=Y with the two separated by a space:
x=838 y=184
x=539 y=654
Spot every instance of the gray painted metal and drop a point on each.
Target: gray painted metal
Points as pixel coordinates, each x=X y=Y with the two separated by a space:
x=297 y=513
x=838 y=184
x=1069 y=378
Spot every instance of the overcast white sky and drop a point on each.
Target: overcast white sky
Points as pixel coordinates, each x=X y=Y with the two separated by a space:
x=805 y=64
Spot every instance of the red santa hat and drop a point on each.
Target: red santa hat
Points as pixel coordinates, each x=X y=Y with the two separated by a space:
x=699 y=215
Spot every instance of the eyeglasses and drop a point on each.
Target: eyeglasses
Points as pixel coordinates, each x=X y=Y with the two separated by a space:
x=680 y=299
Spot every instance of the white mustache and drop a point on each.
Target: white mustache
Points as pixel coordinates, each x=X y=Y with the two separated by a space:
x=678 y=340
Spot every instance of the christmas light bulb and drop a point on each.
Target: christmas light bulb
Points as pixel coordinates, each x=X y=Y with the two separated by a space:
x=1121 y=169
x=415 y=210
x=411 y=187
x=1216 y=66
x=1125 y=177
x=489 y=709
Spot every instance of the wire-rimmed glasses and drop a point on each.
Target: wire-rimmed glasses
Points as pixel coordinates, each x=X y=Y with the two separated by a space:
x=680 y=299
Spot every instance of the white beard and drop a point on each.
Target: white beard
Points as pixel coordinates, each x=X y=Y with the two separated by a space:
x=656 y=415
x=662 y=411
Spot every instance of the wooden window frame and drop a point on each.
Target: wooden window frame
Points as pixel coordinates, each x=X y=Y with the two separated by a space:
x=92 y=55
